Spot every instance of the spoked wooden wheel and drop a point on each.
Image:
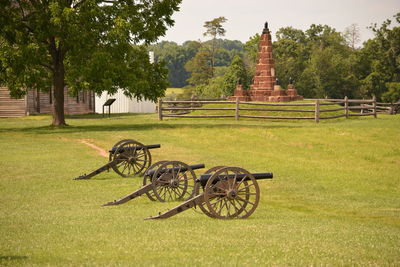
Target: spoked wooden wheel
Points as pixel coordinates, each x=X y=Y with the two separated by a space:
x=198 y=189
x=173 y=181
x=148 y=179
x=131 y=158
x=116 y=145
x=231 y=192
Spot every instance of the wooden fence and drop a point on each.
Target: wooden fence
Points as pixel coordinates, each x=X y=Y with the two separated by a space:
x=350 y=107
x=388 y=108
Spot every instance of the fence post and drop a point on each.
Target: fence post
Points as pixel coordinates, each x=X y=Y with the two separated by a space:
x=192 y=103
x=374 y=105
x=317 y=110
x=346 y=106
x=391 y=109
x=362 y=107
x=237 y=109
x=160 y=109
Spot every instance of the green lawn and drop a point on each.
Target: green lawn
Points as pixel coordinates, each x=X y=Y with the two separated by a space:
x=334 y=199
x=175 y=91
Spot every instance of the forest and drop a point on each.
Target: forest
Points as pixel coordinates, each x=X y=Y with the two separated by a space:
x=321 y=61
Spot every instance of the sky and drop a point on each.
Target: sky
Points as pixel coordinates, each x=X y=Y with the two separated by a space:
x=247 y=17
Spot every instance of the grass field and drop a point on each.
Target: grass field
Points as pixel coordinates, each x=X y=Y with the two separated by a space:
x=175 y=91
x=334 y=199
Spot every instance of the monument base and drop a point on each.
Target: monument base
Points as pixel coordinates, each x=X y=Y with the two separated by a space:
x=276 y=95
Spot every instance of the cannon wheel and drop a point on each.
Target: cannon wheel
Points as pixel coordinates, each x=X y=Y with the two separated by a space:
x=173 y=185
x=147 y=179
x=198 y=189
x=117 y=144
x=129 y=160
x=228 y=198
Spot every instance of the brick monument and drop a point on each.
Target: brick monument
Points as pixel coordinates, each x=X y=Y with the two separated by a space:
x=265 y=86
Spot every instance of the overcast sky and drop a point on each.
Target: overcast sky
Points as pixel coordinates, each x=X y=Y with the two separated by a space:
x=247 y=17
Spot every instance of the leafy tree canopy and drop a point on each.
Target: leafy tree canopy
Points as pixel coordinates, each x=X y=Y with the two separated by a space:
x=380 y=59
x=200 y=68
x=175 y=57
x=235 y=73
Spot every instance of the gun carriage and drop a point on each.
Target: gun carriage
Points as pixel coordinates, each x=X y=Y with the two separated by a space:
x=165 y=181
x=127 y=158
x=223 y=193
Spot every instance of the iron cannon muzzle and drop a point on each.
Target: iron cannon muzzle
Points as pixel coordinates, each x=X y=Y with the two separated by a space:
x=259 y=176
x=112 y=150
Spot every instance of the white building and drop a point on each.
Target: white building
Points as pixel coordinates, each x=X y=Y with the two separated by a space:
x=123 y=104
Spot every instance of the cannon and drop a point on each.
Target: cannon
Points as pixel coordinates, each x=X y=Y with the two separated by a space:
x=223 y=193
x=165 y=181
x=127 y=158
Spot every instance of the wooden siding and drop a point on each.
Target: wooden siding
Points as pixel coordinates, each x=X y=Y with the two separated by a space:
x=39 y=102
x=81 y=104
x=11 y=107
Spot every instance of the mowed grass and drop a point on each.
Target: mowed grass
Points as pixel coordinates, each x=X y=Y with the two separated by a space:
x=334 y=199
x=172 y=90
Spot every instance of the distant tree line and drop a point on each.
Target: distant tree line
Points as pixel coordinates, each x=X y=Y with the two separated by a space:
x=321 y=61
x=177 y=56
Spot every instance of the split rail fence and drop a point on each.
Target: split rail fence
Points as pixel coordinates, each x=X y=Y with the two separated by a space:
x=386 y=108
x=351 y=107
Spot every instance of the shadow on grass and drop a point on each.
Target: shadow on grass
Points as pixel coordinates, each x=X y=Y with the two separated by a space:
x=12 y=258
x=89 y=115
x=104 y=178
x=94 y=116
x=138 y=127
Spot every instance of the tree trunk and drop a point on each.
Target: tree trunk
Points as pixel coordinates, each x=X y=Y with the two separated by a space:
x=58 y=105
x=212 y=56
x=58 y=84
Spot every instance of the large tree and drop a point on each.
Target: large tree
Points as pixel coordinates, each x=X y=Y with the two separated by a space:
x=213 y=29
x=318 y=60
x=378 y=65
x=200 y=68
x=234 y=74
x=251 y=55
x=82 y=44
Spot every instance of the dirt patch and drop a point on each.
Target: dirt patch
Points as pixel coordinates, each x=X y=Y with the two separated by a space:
x=100 y=151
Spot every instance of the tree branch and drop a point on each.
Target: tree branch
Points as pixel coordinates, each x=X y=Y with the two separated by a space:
x=47 y=66
x=21 y=9
x=79 y=4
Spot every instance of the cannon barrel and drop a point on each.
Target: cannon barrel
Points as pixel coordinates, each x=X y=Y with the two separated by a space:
x=193 y=167
x=263 y=175
x=112 y=150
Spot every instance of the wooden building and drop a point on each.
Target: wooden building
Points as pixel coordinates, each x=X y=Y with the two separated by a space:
x=35 y=102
